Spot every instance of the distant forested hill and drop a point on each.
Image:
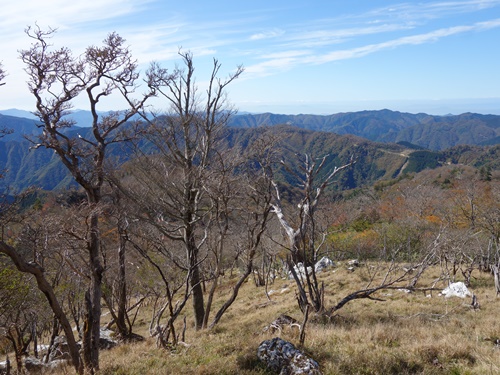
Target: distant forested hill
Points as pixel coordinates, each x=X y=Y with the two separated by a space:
x=428 y=131
x=404 y=143
x=432 y=132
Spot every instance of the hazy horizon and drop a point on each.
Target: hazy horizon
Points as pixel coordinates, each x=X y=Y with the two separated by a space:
x=432 y=107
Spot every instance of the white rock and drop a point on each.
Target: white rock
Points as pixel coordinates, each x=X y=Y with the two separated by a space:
x=353 y=263
x=456 y=290
x=322 y=264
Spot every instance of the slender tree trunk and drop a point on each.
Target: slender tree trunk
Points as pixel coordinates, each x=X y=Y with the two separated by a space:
x=55 y=333
x=90 y=341
x=198 y=300
x=45 y=287
x=232 y=298
x=7 y=365
x=122 y=285
x=210 y=298
x=35 y=339
x=17 y=351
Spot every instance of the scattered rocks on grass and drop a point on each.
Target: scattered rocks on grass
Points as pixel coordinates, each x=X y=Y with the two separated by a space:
x=284 y=358
x=60 y=349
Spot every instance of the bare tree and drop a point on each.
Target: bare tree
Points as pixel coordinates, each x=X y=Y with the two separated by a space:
x=170 y=291
x=395 y=277
x=56 y=78
x=120 y=218
x=185 y=140
x=9 y=214
x=254 y=211
x=302 y=239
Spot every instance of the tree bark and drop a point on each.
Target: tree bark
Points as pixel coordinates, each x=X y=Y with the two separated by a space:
x=198 y=299
x=232 y=298
x=122 y=284
x=92 y=329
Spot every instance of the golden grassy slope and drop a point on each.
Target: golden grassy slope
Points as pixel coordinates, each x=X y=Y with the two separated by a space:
x=406 y=334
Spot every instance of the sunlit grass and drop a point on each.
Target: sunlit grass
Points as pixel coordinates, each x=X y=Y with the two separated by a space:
x=406 y=334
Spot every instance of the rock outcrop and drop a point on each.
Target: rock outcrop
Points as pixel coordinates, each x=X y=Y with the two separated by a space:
x=284 y=358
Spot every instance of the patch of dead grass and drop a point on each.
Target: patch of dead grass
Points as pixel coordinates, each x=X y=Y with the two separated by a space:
x=406 y=334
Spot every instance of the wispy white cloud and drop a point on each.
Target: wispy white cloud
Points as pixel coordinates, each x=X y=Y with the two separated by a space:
x=429 y=37
x=267 y=34
x=419 y=11
x=324 y=37
x=286 y=60
x=79 y=22
x=275 y=62
x=63 y=14
x=266 y=42
x=318 y=37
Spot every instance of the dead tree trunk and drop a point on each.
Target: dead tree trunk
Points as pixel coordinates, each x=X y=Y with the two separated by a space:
x=495 y=271
x=302 y=238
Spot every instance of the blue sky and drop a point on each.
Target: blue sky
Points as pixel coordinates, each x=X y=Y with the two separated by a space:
x=299 y=56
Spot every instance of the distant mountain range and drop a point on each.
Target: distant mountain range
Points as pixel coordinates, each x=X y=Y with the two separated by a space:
x=385 y=143
x=428 y=131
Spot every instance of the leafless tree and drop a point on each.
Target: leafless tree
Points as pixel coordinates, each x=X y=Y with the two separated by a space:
x=46 y=288
x=394 y=277
x=170 y=291
x=56 y=78
x=185 y=140
x=118 y=218
x=249 y=212
x=302 y=239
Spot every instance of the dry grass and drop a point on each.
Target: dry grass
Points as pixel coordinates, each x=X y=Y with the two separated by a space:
x=406 y=334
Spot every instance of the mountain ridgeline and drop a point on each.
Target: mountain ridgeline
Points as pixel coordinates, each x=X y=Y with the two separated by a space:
x=430 y=132
x=386 y=145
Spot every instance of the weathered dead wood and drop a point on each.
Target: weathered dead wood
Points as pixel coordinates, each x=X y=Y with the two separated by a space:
x=303 y=326
x=495 y=271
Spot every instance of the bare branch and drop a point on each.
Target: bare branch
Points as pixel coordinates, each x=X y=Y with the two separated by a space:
x=3 y=74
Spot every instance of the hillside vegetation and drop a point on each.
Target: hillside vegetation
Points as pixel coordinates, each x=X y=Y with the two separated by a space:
x=449 y=216
x=417 y=333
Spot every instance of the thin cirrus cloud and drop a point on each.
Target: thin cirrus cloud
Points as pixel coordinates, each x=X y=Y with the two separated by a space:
x=415 y=12
x=266 y=40
x=78 y=21
x=267 y=34
x=319 y=38
x=408 y=40
x=287 y=60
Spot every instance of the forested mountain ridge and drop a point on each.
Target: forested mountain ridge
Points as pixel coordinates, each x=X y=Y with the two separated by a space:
x=428 y=131
x=28 y=167
x=375 y=161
